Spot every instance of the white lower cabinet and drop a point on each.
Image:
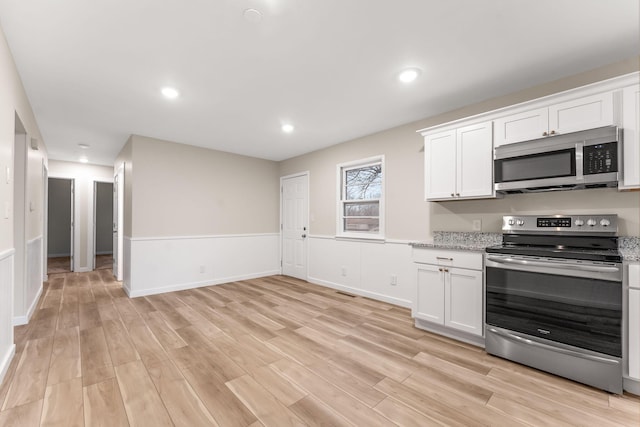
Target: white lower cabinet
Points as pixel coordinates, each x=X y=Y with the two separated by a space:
x=634 y=321
x=450 y=292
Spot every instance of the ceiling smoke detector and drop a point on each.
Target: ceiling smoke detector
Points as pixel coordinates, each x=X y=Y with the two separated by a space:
x=252 y=15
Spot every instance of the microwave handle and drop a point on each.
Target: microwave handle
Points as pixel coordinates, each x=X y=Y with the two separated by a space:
x=579 y=161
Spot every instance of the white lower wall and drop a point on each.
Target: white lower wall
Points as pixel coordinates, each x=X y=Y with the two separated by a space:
x=28 y=293
x=7 y=347
x=363 y=268
x=166 y=264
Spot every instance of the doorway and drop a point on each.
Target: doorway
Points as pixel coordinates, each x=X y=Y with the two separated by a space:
x=60 y=203
x=103 y=225
x=294 y=208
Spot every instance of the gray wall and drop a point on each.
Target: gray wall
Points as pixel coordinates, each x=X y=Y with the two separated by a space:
x=104 y=218
x=182 y=190
x=59 y=231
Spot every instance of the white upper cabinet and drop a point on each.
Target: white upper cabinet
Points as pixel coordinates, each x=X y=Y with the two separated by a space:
x=459 y=163
x=631 y=137
x=475 y=161
x=521 y=127
x=569 y=116
x=440 y=165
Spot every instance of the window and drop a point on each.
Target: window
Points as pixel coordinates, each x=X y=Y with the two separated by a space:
x=361 y=198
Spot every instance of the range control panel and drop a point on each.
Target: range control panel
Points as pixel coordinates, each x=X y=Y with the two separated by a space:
x=550 y=224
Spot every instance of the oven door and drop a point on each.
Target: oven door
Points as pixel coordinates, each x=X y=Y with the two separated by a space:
x=573 y=302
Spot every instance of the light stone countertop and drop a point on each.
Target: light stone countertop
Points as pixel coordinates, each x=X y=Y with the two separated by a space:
x=629 y=247
x=463 y=241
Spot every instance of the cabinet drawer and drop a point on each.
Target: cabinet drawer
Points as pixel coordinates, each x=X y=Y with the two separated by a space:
x=461 y=259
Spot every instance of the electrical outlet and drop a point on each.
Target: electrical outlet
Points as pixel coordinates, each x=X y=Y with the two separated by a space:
x=394 y=280
x=476 y=225
x=344 y=271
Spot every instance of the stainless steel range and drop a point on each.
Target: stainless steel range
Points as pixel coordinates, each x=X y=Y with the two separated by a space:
x=554 y=297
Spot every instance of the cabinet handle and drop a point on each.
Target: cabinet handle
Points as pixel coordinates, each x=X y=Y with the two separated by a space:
x=457 y=194
x=446 y=270
x=453 y=195
x=553 y=132
x=440 y=270
x=545 y=133
x=444 y=258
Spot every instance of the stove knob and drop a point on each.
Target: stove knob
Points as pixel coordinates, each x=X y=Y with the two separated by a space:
x=591 y=222
x=512 y=221
x=520 y=222
x=579 y=222
x=605 y=222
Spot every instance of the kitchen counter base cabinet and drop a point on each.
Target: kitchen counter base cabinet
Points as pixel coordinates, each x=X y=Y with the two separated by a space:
x=449 y=297
x=633 y=383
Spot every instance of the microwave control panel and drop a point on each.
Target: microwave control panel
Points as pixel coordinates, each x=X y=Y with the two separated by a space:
x=600 y=158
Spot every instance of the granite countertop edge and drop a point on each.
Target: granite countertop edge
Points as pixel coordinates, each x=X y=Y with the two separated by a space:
x=629 y=247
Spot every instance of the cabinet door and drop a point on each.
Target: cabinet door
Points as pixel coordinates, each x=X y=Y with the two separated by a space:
x=583 y=113
x=631 y=145
x=464 y=300
x=634 y=321
x=440 y=165
x=475 y=161
x=521 y=127
x=429 y=304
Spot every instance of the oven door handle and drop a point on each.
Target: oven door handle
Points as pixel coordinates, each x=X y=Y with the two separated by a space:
x=581 y=267
x=532 y=343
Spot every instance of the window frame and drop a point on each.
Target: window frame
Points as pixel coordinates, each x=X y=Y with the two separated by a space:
x=341 y=170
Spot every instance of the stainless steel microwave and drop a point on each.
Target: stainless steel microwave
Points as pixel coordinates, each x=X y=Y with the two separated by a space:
x=585 y=159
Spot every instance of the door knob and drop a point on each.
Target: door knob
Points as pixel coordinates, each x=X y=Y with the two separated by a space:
x=304 y=235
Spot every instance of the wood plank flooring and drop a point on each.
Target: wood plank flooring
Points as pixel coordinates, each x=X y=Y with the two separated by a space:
x=267 y=352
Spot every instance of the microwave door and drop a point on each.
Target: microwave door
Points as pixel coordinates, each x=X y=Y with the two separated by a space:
x=551 y=165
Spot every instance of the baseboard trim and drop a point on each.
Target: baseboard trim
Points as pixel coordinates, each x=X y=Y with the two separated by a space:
x=448 y=332
x=631 y=385
x=192 y=285
x=23 y=320
x=6 y=361
x=373 y=295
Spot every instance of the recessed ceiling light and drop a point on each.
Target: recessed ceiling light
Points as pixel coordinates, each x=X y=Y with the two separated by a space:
x=252 y=15
x=287 y=128
x=409 y=75
x=170 y=92
x=83 y=159
x=83 y=146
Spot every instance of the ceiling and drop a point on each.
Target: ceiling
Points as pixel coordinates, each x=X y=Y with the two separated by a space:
x=93 y=70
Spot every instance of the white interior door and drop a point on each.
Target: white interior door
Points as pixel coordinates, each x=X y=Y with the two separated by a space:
x=118 y=219
x=295 y=225
x=45 y=220
x=72 y=226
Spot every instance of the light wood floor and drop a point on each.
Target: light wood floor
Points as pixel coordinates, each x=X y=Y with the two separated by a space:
x=60 y=264
x=273 y=352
